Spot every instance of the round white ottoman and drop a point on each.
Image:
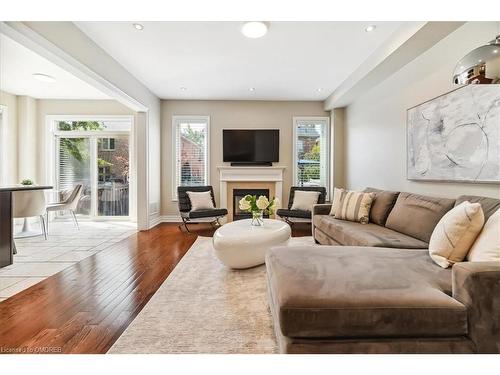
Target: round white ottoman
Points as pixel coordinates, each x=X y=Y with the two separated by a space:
x=239 y=244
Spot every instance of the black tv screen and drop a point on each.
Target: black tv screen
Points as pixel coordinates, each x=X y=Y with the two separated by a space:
x=251 y=145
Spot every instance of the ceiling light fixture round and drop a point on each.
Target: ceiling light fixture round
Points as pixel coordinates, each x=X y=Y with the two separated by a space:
x=254 y=29
x=183 y=88
x=479 y=66
x=44 y=78
x=320 y=89
x=138 y=26
x=370 y=28
x=251 y=89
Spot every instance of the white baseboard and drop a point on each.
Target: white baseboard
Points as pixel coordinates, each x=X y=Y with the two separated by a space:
x=171 y=219
x=154 y=221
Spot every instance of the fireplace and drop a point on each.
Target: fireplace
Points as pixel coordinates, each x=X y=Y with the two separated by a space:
x=240 y=193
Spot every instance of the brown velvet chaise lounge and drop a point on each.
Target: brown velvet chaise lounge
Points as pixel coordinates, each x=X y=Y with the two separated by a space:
x=378 y=290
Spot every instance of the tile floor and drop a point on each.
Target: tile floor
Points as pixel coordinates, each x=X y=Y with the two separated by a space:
x=37 y=259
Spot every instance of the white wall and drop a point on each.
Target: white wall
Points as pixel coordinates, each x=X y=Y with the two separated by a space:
x=375 y=124
x=9 y=142
x=232 y=114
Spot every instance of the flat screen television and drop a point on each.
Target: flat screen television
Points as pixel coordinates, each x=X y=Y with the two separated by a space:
x=252 y=146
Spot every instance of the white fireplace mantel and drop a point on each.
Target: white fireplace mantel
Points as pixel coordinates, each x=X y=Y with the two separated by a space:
x=255 y=174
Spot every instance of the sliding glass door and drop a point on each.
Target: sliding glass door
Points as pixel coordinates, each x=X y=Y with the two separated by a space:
x=113 y=170
x=73 y=167
x=96 y=155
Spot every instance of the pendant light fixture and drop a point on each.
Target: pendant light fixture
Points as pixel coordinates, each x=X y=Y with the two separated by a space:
x=480 y=66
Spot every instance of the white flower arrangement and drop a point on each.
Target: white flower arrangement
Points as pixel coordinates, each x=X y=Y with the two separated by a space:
x=251 y=204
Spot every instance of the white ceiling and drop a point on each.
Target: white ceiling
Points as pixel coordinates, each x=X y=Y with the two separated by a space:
x=17 y=65
x=213 y=60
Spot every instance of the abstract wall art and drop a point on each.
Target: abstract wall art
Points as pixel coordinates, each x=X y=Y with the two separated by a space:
x=456 y=136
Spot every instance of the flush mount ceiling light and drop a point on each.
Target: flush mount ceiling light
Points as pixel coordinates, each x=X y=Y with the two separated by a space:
x=43 y=77
x=370 y=28
x=254 y=29
x=138 y=26
x=251 y=89
x=479 y=66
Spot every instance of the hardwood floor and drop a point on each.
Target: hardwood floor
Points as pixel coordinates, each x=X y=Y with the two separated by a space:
x=86 y=307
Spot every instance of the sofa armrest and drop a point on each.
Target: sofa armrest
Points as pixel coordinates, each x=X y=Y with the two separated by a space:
x=321 y=209
x=477 y=286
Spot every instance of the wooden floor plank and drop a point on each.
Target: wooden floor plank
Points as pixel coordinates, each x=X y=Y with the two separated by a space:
x=86 y=307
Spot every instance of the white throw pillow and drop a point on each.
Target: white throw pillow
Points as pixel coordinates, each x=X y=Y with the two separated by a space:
x=455 y=233
x=304 y=200
x=337 y=196
x=200 y=200
x=487 y=245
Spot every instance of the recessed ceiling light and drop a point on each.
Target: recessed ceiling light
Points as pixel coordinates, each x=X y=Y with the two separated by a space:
x=251 y=89
x=138 y=26
x=320 y=89
x=183 y=88
x=495 y=51
x=254 y=29
x=43 y=77
x=370 y=28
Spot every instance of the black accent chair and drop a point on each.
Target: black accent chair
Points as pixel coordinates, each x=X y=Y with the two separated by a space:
x=287 y=214
x=200 y=216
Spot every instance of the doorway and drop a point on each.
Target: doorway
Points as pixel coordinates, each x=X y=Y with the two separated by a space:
x=97 y=154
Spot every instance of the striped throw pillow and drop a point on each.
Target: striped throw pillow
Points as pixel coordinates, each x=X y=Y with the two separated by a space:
x=354 y=206
x=337 y=194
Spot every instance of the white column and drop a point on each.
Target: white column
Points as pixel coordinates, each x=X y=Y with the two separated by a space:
x=27 y=139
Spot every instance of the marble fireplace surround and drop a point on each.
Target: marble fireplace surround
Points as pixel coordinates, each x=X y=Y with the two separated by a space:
x=248 y=178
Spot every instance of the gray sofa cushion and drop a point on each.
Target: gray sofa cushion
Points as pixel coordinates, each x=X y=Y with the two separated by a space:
x=349 y=233
x=417 y=215
x=348 y=292
x=382 y=204
x=323 y=239
x=489 y=205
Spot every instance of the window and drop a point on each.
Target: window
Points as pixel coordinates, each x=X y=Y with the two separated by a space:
x=311 y=151
x=107 y=144
x=190 y=137
x=104 y=174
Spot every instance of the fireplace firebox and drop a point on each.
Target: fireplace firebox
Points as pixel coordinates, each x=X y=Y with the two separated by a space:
x=240 y=193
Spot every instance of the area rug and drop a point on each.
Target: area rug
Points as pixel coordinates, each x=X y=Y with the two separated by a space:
x=204 y=307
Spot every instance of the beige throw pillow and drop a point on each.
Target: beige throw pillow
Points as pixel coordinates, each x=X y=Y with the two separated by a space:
x=455 y=233
x=304 y=200
x=337 y=196
x=354 y=206
x=487 y=245
x=200 y=200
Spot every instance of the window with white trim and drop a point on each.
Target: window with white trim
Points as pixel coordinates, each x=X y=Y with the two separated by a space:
x=190 y=137
x=311 y=151
x=107 y=144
